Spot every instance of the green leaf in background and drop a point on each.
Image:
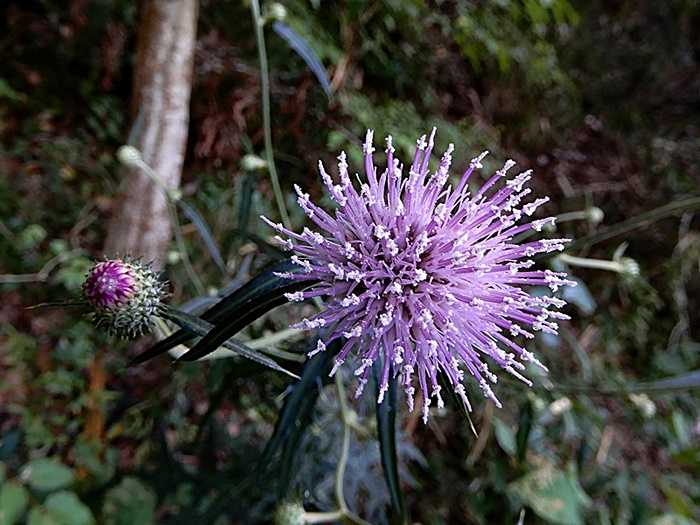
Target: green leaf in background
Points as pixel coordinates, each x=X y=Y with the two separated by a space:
x=678 y=383
x=47 y=475
x=505 y=437
x=555 y=496
x=129 y=503
x=65 y=508
x=7 y=92
x=13 y=502
x=99 y=462
x=40 y=516
x=581 y=296
x=672 y=519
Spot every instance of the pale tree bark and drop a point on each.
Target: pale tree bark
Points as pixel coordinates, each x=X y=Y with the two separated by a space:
x=140 y=224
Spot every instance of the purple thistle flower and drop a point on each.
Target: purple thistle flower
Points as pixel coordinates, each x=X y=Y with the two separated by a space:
x=109 y=284
x=424 y=274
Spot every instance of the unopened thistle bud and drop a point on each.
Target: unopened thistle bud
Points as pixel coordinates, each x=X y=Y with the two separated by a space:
x=129 y=156
x=125 y=296
x=594 y=215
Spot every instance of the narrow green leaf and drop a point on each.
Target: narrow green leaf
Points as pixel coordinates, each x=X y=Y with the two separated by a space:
x=200 y=327
x=679 y=383
x=690 y=380
x=458 y=401
x=233 y=319
x=298 y=44
x=386 y=435
x=296 y=415
x=676 y=207
x=524 y=427
x=204 y=232
x=246 y=201
x=241 y=306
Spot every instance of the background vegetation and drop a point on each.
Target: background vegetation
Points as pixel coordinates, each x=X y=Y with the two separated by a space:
x=601 y=98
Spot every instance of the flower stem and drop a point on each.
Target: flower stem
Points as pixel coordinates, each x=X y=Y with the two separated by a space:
x=645 y=219
x=267 y=127
x=323 y=517
x=173 y=199
x=345 y=447
x=345 y=416
x=273 y=338
x=572 y=216
x=597 y=264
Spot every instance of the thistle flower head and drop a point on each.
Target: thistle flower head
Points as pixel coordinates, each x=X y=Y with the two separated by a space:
x=109 y=284
x=124 y=295
x=423 y=277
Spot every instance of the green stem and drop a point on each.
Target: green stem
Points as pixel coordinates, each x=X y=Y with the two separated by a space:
x=345 y=447
x=274 y=338
x=267 y=127
x=172 y=198
x=323 y=517
x=572 y=216
x=644 y=219
x=182 y=249
x=346 y=417
x=597 y=264
x=281 y=354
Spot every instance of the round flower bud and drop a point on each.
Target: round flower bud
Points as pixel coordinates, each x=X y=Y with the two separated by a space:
x=129 y=156
x=277 y=11
x=290 y=513
x=594 y=215
x=125 y=296
x=252 y=162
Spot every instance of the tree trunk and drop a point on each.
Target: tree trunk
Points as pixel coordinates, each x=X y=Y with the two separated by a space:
x=140 y=224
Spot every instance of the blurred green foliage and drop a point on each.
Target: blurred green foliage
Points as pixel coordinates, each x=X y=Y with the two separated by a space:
x=601 y=97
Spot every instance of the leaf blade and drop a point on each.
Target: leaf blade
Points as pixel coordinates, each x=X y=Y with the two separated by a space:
x=302 y=48
x=386 y=435
x=266 y=284
x=204 y=232
x=201 y=328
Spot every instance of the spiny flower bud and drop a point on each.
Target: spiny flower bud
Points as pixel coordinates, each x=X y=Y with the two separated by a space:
x=125 y=296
